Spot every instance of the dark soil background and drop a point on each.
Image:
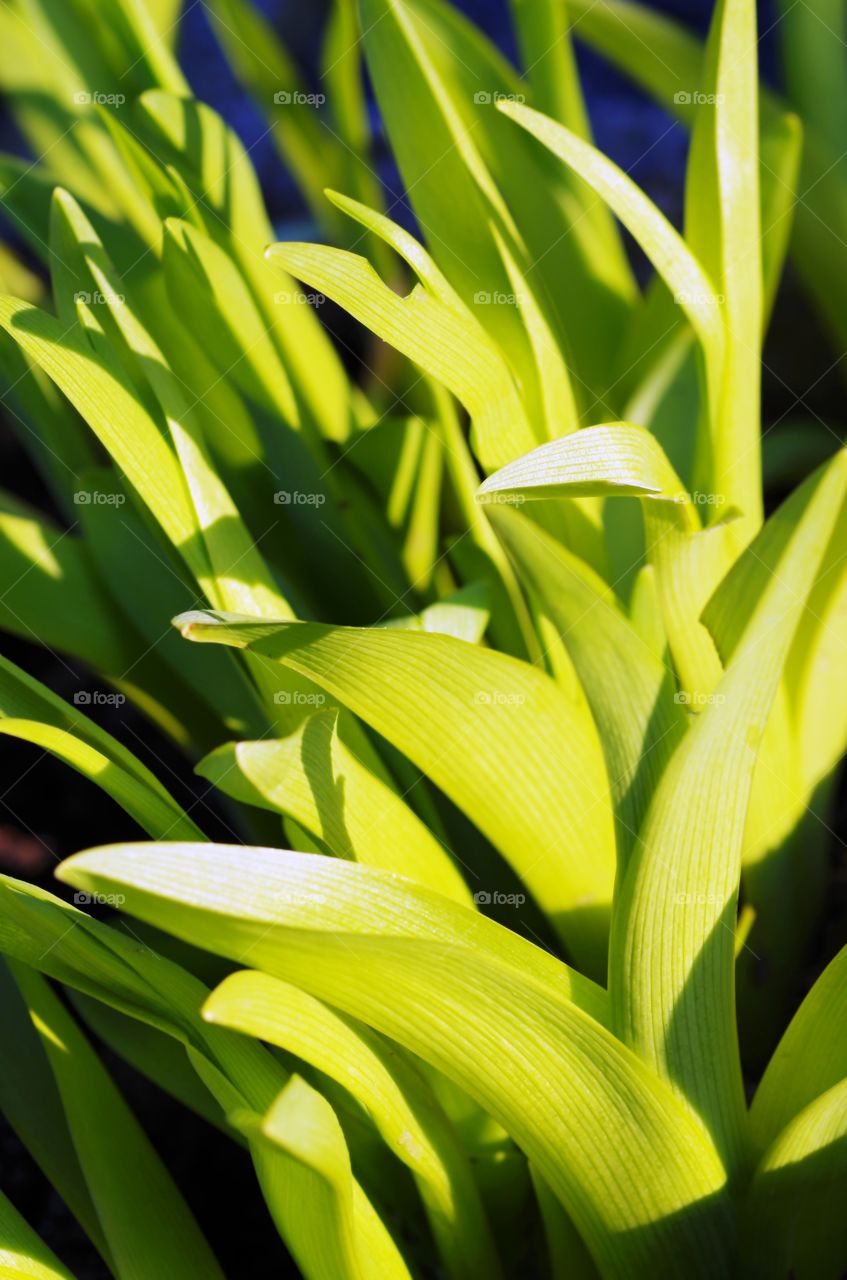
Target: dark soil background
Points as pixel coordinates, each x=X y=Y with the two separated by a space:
x=47 y=812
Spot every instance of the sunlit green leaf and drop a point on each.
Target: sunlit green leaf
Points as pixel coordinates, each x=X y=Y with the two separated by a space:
x=532 y=1061
x=434 y=698
x=393 y=1093
x=144 y=1219
x=315 y=779
x=672 y=966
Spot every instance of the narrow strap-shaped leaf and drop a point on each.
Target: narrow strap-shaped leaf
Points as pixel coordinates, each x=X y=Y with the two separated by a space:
x=667 y=59
x=160 y=818
x=238 y=569
x=51 y=592
x=544 y=36
x=264 y=66
x=616 y=458
x=118 y=969
x=446 y=341
x=794 y=1219
x=147 y=584
x=406 y=909
x=781 y=151
x=147 y=43
x=105 y=399
x=569 y=1259
x=102 y=962
x=242 y=1077
x=682 y=273
x=403 y=243
x=811 y=1057
x=784 y=864
x=783 y=876
x=312 y=777
x=437 y=78
x=435 y=698
x=46 y=61
x=672 y=957
x=22 y=1252
x=199 y=273
x=512 y=627
x=341 y=1237
x=343 y=74
x=544 y=30
x=237 y=572
x=218 y=172
x=30 y=1102
x=817 y=695
x=555 y=404
x=27 y=702
x=145 y=1221
x=62 y=942
x=574 y=1098
x=645 y=611
x=723 y=230
x=622 y=459
x=46 y=425
x=629 y=687
x=437 y=152
x=547 y=393
x=395 y=1096
x=154 y=1054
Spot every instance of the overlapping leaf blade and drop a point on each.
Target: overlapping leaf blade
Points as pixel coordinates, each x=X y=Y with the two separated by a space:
x=672 y=953
x=29 y=710
x=810 y=1059
x=312 y=777
x=32 y=1106
x=629 y=687
x=569 y=1093
x=393 y=1093
x=435 y=699
x=143 y=1216
x=22 y=1252
x=40 y=931
x=795 y=1214
x=446 y=341
x=625 y=460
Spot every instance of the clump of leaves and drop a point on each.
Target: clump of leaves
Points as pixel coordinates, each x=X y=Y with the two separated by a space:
x=801 y=150
x=555 y=664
